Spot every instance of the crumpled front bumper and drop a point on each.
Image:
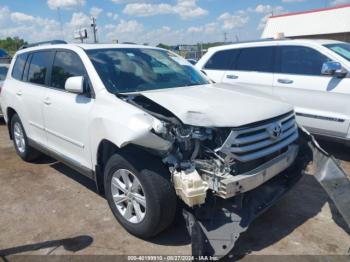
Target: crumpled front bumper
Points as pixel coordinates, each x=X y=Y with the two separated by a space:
x=215 y=227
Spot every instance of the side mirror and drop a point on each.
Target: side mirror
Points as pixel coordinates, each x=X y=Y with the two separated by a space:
x=75 y=84
x=332 y=68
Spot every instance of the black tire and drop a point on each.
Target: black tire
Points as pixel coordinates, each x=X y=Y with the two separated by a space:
x=29 y=154
x=160 y=195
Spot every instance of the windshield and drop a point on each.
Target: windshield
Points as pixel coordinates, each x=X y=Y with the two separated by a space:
x=3 y=73
x=125 y=70
x=342 y=49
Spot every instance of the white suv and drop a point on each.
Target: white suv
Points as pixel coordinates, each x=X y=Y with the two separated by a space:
x=312 y=75
x=148 y=127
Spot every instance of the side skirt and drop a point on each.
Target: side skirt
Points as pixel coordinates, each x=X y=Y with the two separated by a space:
x=65 y=160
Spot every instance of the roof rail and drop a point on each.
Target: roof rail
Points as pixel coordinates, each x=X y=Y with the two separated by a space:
x=52 y=42
x=259 y=40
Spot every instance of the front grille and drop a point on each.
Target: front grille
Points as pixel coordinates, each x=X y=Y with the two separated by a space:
x=254 y=142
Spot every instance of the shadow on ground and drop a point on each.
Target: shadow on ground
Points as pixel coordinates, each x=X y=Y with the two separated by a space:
x=338 y=150
x=70 y=244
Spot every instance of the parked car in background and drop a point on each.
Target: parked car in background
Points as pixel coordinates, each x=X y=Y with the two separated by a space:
x=3 y=72
x=312 y=75
x=148 y=128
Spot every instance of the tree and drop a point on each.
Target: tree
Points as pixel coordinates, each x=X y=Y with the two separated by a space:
x=164 y=46
x=11 y=45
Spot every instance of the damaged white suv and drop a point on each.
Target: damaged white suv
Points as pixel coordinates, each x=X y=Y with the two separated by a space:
x=148 y=128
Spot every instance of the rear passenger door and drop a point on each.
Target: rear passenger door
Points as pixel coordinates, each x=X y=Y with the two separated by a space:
x=252 y=69
x=67 y=115
x=320 y=101
x=32 y=91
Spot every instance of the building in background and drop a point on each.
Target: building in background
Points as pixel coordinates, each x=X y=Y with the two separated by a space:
x=326 y=23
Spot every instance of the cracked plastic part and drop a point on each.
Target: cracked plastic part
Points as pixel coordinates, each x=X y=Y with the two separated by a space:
x=216 y=226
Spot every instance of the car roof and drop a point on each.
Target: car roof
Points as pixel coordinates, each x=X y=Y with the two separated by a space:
x=84 y=46
x=267 y=42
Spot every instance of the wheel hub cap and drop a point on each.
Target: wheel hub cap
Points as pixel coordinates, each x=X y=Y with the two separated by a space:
x=19 y=137
x=128 y=196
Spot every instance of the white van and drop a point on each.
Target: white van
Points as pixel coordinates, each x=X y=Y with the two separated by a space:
x=312 y=75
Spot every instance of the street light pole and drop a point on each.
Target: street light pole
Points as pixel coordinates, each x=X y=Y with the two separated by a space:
x=94 y=29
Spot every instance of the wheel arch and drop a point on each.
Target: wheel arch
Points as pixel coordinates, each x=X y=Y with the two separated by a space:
x=10 y=112
x=106 y=149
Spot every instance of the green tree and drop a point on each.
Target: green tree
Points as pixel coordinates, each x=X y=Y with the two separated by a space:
x=164 y=46
x=11 y=45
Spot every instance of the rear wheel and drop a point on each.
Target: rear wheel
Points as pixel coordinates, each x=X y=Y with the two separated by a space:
x=20 y=140
x=140 y=194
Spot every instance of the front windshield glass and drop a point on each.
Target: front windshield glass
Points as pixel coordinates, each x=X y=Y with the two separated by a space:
x=342 y=49
x=125 y=70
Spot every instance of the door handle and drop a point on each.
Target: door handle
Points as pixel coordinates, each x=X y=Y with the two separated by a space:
x=19 y=93
x=47 y=101
x=231 y=76
x=285 y=81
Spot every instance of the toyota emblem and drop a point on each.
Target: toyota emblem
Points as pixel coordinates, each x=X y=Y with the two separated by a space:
x=275 y=130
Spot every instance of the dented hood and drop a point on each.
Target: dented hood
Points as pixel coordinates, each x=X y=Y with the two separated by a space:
x=216 y=105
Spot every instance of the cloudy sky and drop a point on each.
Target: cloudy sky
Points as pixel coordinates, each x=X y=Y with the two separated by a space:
x=146 y=21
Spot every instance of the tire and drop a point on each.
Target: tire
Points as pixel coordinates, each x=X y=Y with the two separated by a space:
x=155 y=188
x=20 y=141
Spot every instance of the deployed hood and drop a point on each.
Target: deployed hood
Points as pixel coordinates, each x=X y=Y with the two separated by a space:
x=217 y=105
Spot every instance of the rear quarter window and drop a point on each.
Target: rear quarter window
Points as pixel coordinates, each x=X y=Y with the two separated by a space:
x=17 y=71
x=222 y=60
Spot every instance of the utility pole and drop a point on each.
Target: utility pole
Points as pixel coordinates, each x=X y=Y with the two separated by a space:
x=94 y=29
x=60 y=21
x=225 y=37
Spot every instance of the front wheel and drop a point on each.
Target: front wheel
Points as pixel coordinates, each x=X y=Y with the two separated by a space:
x=140 y=194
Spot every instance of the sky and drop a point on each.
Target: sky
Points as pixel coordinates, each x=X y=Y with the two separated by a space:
x=146 y=21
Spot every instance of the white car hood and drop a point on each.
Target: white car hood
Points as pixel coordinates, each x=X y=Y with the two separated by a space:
x=217 y=105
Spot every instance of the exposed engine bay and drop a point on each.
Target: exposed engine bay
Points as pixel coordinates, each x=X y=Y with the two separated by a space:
x=229 y=176
x=225 y=161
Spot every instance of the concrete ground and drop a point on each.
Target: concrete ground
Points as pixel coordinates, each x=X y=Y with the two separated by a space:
x=47 y=208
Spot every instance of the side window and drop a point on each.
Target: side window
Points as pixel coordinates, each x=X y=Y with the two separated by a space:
x=258 y=59
x=17 y=70
x=300 y=60
x=39 y=66
x=66 y=64
x=26 y=68
x=222 y=60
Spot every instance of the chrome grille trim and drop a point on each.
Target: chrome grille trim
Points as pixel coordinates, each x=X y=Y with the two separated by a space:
x=248 y=144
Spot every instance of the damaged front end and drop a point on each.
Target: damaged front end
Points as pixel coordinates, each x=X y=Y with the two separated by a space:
x=229 y=176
